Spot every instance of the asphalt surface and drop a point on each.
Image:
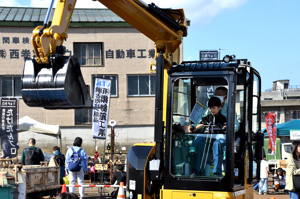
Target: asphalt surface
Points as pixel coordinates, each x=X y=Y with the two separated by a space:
x=271 y=196
x=104 y=193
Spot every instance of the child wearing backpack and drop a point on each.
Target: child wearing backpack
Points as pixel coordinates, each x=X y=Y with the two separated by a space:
x=60 y=160
x=76 y=165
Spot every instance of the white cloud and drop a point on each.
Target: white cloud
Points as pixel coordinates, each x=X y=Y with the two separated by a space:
x=198 y=11
x=41 y=3
x=89 y=4
x=79 y=4
x=12 y=3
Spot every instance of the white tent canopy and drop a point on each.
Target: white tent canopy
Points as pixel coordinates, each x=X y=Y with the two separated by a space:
x=28 y=124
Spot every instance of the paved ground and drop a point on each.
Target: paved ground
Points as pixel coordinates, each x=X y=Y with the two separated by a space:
x=97 y=193
x=91 y=193
x=269 y=196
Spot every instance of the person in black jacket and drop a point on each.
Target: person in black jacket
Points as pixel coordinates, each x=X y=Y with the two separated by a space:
x=32 y=155
x=214 y=105
x=215 y=118
x=118 y=177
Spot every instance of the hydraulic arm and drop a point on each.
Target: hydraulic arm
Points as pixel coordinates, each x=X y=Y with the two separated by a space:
x=46 y=40
x=52 y=80
x=165 y=27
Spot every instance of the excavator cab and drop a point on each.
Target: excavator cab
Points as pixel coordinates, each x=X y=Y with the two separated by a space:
x=216 y=161
x=58 y=84
x=215 y=158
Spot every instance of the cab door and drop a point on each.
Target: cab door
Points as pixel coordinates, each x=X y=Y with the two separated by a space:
x=249 y=84
x=254 y=118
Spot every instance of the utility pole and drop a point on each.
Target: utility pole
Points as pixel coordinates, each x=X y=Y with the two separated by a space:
x=112 y=124
x=112 y=145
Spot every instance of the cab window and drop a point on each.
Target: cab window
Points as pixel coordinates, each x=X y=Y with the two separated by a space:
x=200 y=153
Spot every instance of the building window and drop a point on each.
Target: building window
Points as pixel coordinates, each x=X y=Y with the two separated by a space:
x=293 y=98
x=11 y=86
x=286 y=85
x=113 y=86
x=89 y=54
x=141 y=85
x=296 y=114
x=83 y=116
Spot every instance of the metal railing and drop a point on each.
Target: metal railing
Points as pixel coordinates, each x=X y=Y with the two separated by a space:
x=291 y=88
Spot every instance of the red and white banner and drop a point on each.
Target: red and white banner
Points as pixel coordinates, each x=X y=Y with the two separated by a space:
x=271 y=128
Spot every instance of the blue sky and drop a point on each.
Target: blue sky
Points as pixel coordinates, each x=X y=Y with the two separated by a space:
x=266 y=32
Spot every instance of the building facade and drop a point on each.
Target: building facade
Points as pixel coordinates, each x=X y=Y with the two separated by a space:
x=283 y=99
x=106 y=47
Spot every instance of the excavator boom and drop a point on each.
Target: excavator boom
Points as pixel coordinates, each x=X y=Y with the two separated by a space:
x=51 y=71
x=163 y=26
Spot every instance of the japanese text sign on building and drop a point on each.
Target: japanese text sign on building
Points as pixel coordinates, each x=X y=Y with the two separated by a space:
x=14 y=51
x=129 y=53
x=9 y=134
x=101 y=107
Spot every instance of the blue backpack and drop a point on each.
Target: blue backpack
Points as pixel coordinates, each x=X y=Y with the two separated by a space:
x=75 y=161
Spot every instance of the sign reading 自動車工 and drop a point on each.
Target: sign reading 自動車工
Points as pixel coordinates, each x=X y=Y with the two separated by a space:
x=9 y=124
x=101 y=107
x=294 y=135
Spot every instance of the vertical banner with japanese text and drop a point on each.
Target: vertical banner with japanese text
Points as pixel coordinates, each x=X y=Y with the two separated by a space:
x=271 y=128
x=101 y=107
x=9 y=124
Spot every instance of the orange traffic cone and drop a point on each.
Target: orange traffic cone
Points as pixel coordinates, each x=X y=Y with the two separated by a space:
x=64 y=189
x=121 y=194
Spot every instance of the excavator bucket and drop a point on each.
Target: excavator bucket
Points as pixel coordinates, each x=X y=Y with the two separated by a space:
x=58 y=85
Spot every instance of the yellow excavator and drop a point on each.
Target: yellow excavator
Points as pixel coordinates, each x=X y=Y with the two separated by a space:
x=215 y=162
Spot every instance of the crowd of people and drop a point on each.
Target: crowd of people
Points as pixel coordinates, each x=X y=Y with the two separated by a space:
x=279 y=179
x=74 y=165
x=290 y=181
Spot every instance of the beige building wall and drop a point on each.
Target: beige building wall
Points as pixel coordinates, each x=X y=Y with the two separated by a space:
x=134 y=115
x=123 y=109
